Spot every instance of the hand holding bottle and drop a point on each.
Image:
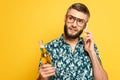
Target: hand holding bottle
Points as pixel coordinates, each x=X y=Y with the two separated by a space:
x=46 y=70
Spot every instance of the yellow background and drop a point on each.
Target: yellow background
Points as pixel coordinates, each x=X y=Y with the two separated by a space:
x=24 y=22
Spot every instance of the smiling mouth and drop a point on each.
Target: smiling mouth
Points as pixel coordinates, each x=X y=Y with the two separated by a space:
x=73 y=29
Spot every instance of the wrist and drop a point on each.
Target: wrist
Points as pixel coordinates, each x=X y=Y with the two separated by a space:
x=42 y=78
x=91 y=52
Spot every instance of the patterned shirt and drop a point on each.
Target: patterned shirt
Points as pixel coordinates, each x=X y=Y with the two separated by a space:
x=70 y=65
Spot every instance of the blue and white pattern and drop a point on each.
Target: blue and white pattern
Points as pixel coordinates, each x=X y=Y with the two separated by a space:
x=70 y=65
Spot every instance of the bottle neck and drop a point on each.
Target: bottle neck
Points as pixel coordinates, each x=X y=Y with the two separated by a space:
x=42 y=50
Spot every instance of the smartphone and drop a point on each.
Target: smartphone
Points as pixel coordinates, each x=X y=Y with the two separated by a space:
x=86 y=28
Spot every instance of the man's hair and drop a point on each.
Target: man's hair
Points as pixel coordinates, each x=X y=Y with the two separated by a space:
x=80 y=7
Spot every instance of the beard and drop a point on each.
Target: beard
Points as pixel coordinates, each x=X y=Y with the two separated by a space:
x=69 y=36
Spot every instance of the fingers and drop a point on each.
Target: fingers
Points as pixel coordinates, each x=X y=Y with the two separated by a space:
x=46 y=65
x=87 y=35
x=47 y=70
x=47 y=75
x=87 y=39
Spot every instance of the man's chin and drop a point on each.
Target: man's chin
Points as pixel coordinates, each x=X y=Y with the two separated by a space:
x=72 y=36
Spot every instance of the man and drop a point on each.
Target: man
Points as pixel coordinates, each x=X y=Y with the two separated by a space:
x=74 y=57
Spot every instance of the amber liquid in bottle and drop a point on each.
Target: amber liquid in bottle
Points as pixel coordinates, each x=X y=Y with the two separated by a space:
x=45 y=57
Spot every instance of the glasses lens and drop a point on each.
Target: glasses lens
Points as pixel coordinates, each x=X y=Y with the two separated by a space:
x=80 y=22
x=70 y=18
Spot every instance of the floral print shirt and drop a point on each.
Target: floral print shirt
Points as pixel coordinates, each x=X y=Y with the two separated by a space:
x=70 y=65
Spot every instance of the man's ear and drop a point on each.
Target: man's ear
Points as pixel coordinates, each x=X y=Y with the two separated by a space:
x=85 y=26
x=65 y=18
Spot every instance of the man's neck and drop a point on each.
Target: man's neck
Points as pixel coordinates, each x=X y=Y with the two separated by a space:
x=71 y=42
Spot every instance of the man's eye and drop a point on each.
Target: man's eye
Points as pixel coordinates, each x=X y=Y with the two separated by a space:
x=80 y=21
x=71 y=17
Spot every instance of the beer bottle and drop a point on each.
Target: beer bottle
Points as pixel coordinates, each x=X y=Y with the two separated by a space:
x=45 y=57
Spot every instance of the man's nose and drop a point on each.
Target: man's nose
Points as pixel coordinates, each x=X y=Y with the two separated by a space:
x=75 y=23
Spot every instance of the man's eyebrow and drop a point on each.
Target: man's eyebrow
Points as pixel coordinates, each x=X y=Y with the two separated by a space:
x=76 y=17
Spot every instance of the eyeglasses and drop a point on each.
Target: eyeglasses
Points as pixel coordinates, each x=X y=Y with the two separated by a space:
x=71 y=19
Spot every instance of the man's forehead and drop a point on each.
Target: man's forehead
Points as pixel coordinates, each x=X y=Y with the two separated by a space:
x=77 y=14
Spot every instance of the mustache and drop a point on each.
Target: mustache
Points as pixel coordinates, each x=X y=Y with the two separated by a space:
x=73 y=28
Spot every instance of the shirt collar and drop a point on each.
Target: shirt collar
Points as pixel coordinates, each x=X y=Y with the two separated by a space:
x=62 y=39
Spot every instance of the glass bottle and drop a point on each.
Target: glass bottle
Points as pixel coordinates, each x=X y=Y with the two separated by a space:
x=45 y=57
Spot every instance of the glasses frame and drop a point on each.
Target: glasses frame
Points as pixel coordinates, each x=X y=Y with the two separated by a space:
x=73 y=19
